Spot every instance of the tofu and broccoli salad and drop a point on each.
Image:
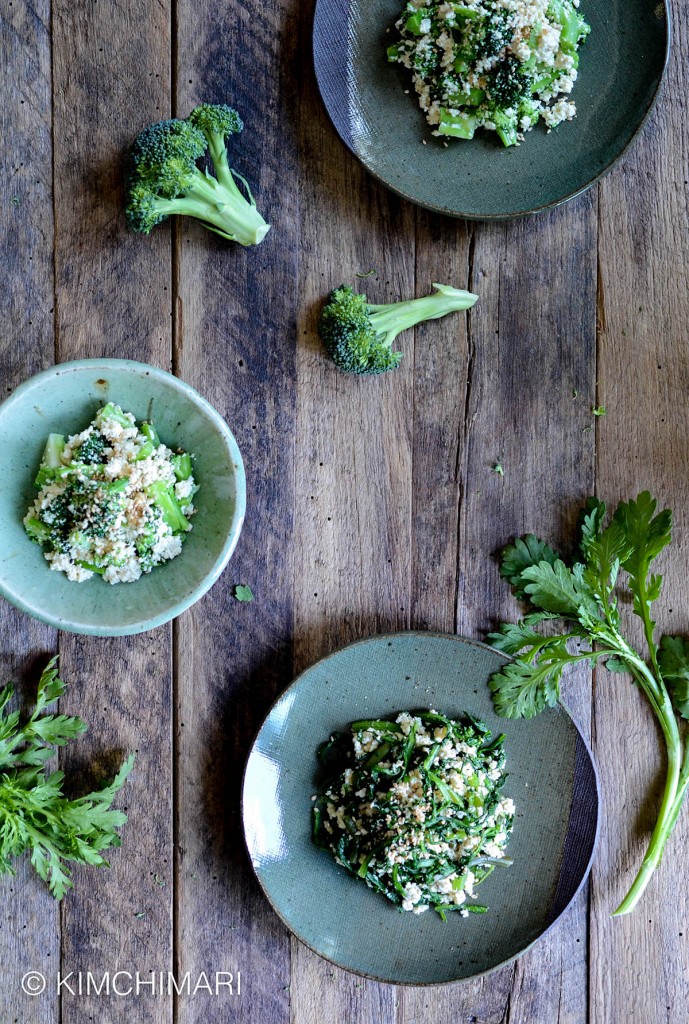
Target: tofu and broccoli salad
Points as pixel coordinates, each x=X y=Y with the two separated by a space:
x=112 y=501
x=501 y=65
x=415 y=808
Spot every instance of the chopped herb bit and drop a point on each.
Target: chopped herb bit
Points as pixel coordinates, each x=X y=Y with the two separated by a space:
x=243 y=592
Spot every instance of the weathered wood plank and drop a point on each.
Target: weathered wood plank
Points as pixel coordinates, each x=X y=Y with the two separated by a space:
x=111 y=77
x=643 y=305
x=29 y=936
x=235 y=328
x=353 y=471
x=515 y=392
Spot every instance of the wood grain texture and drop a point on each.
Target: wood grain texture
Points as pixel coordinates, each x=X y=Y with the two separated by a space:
x=642 y=443
x=529 y=365
x=235 y=330
x=373 y=504
x=29 y=935
x=353 y=470
x=111 y=77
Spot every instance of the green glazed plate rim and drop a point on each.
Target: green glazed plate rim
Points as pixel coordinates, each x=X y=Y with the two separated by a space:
x=583 y=869
x=331 y=37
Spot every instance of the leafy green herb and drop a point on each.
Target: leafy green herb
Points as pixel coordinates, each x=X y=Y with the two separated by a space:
x=243 y=592
x=584 y=594
x=499 y=469
x=599 y=410
x=35 y=815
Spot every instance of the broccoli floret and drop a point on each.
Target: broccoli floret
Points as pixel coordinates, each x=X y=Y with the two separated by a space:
x=163 y=177
x=493 y=34
x=56 y=514
x=147 y=539
x=359 y=336
x=91 y=450
x=507 y=85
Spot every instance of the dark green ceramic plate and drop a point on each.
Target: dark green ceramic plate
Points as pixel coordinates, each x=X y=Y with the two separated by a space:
x=621 y=66
x=551 y=779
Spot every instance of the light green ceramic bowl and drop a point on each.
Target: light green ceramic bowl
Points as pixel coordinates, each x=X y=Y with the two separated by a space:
x=64 y=400
x=551 y=778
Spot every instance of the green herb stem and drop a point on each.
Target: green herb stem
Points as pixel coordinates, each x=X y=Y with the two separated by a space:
x=584 y=593
x=667 y=816
x=673 y=792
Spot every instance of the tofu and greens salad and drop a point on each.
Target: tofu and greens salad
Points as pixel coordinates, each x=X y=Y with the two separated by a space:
x=112 y=500
x=501 y=65
x=414 y=808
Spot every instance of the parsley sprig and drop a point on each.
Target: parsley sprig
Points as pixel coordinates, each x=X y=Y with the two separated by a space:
x=35 y=815
x=584 y=595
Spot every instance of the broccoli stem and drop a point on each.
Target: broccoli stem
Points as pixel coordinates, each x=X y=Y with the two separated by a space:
x=181 y=465
x=393 y=318
x=222 y=207
x=52 y=454
x=150 y=432
x=166 y=501
x=113 y=412
x=218 y=153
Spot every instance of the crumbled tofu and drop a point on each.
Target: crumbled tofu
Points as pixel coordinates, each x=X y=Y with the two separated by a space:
x=497 y=64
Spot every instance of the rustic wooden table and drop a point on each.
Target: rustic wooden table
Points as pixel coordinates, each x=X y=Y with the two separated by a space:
x=373 y=504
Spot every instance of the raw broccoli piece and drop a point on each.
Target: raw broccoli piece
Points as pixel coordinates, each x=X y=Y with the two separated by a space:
x=574 y=27
x=359 y=336
x=163 y=178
